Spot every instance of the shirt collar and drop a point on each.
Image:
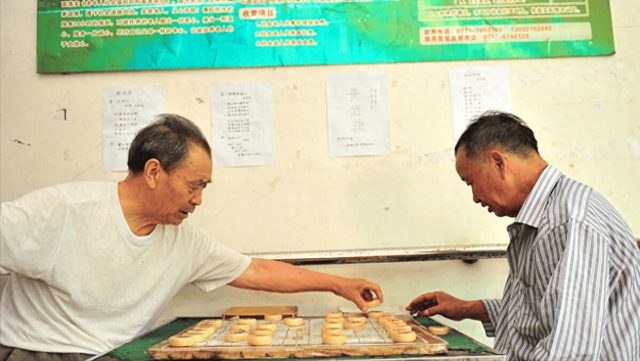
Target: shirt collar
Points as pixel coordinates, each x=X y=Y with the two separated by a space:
x=537 y=199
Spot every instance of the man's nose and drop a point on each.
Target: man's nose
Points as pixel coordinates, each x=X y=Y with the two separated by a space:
x=197 y=198
x=475 y=198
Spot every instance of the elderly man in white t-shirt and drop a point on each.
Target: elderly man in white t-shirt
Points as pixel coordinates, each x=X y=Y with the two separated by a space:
x=94 y=264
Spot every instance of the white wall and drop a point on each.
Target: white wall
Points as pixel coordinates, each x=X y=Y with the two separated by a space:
x=582 y=110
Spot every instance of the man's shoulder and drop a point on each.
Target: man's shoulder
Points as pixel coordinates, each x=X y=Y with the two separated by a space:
x=578 y=198
x=569 y=186
x=570 y=194
x=64 y=193
x=578 y=201
x=74 y=192
x=569 y=199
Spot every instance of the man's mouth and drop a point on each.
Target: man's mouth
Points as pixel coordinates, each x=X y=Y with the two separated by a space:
x=186 y=213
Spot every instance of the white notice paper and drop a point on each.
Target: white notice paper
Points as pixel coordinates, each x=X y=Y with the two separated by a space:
x=126 y=110
x=242 y=124
x=475 y=91
x=358 y=114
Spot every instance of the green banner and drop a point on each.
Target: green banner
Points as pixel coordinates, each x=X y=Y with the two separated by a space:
x=105 y=35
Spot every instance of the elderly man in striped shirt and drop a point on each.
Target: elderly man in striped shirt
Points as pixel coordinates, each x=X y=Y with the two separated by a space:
x=573 y=290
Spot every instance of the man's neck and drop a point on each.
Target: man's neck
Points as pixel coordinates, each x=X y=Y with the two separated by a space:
x=132 y=195
x=529 y=173
x=535 y=169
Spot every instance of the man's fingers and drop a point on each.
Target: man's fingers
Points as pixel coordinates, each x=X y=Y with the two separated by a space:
x=422 y=306
x=431 y=311
x=362 y=305
x=367 y=295
x=378 y=292
x=370 y=290
x=425 y=299
x=367 y=290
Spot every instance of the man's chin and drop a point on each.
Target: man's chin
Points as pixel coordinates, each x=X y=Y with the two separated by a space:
x=498 y=213
x=178 y=219
x=504 y=214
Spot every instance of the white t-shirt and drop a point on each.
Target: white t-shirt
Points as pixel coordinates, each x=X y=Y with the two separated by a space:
x=81 y=281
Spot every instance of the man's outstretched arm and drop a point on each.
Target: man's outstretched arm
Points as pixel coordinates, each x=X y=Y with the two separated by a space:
x=274 y=276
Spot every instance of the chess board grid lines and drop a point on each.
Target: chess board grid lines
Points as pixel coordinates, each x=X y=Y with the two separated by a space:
x=279 y=336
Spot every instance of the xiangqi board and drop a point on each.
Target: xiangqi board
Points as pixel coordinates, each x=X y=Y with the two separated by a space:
x=306 y=341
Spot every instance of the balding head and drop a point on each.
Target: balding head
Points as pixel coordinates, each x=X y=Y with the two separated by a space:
x=500 y=131
x=168 y=140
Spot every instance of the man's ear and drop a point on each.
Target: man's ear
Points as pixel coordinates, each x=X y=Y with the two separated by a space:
x=152 y=172
x=499 y=162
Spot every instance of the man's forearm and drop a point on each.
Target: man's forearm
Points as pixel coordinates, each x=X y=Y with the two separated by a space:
x=273 y=276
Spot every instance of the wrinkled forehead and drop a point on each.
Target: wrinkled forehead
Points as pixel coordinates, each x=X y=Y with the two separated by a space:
x=461 y=158
x=460 y=165
x=464 y=165
x=197 y=165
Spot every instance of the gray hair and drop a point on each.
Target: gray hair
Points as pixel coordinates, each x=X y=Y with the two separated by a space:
x=167 y=139
x=497 y=130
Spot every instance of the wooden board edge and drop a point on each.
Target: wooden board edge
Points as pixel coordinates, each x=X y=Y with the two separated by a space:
x=259 y=312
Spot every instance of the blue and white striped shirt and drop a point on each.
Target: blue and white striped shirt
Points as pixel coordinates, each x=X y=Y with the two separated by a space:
x=573 y=291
